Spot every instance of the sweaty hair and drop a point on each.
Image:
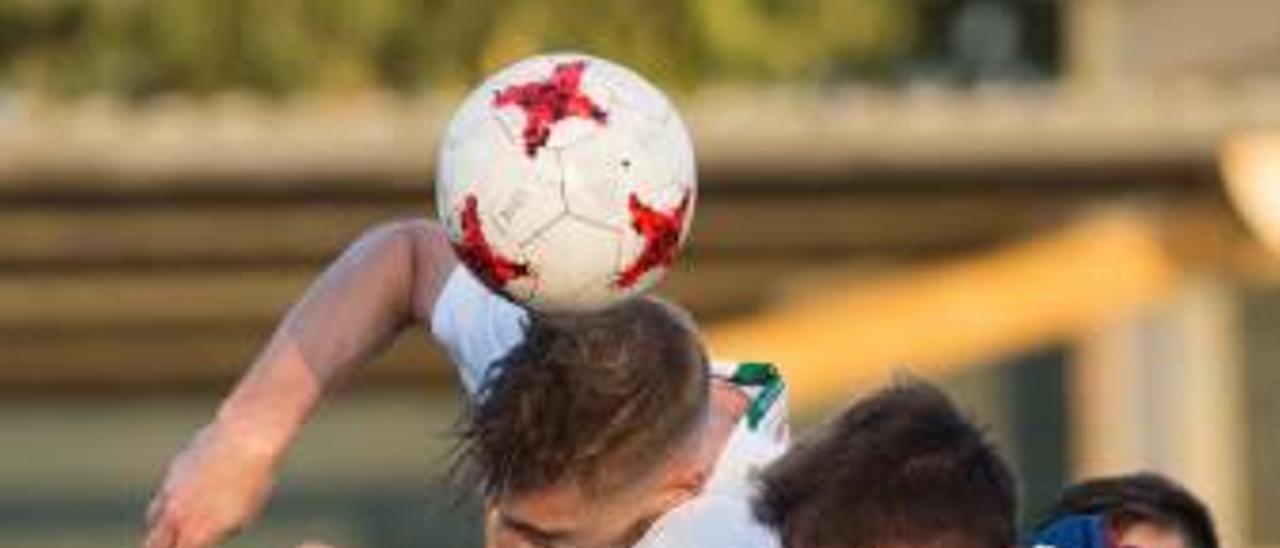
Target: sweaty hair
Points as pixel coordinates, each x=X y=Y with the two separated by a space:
x=597 y=400
x=901 y=468
x=1127 y=500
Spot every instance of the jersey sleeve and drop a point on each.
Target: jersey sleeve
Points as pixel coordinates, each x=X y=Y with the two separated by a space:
x=475 y=326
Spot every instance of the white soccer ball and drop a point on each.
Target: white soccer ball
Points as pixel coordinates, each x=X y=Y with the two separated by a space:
x=567 y=183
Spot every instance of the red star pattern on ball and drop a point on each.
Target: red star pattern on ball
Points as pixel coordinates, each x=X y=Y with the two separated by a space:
x=549 y=101
x=490 y=266
x=661 y=233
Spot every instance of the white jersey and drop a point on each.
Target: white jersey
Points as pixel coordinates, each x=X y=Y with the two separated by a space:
x=477 y=327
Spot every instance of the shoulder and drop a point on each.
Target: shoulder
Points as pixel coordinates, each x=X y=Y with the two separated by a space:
x=711 y=520
x=433 y=259
x=415 y=249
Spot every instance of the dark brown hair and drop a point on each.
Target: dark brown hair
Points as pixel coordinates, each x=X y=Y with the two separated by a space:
x=1124 y=501
x=596 y=399
x=899 y=468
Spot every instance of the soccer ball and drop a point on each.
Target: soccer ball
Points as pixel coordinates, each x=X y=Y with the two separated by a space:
x=566 y=183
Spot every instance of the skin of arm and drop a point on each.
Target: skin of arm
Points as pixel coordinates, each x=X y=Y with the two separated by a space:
x=386 y=281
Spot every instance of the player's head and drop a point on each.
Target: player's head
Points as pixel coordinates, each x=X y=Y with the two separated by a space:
x=899 y=469
x=1139 y=510
x=577 y=436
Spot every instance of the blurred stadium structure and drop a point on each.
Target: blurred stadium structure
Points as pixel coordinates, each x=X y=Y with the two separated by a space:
x=1022 y=198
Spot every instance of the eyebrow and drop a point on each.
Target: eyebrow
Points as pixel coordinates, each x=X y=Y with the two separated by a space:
x=534 y=532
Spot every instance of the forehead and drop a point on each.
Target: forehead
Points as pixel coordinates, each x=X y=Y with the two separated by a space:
x=558 y=516
x=1149 y=535
x=556 y=507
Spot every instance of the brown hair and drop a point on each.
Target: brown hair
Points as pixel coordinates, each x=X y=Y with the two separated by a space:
x=597 y=399
x=900 y=468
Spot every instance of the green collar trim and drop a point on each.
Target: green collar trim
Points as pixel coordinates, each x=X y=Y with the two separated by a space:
x=765 y=376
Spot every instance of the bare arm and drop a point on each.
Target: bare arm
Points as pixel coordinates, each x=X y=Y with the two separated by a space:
x=387 y=280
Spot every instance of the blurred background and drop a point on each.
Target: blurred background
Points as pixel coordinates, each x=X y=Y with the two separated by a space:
x=1057 y=208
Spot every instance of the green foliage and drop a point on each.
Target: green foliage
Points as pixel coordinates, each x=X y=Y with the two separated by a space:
x=140 y=48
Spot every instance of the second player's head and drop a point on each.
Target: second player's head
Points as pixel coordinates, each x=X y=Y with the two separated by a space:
x=1139 y=510
x=900 y=469
x=577 y=437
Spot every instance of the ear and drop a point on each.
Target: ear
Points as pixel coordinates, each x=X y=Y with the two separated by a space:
x=683 y=480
